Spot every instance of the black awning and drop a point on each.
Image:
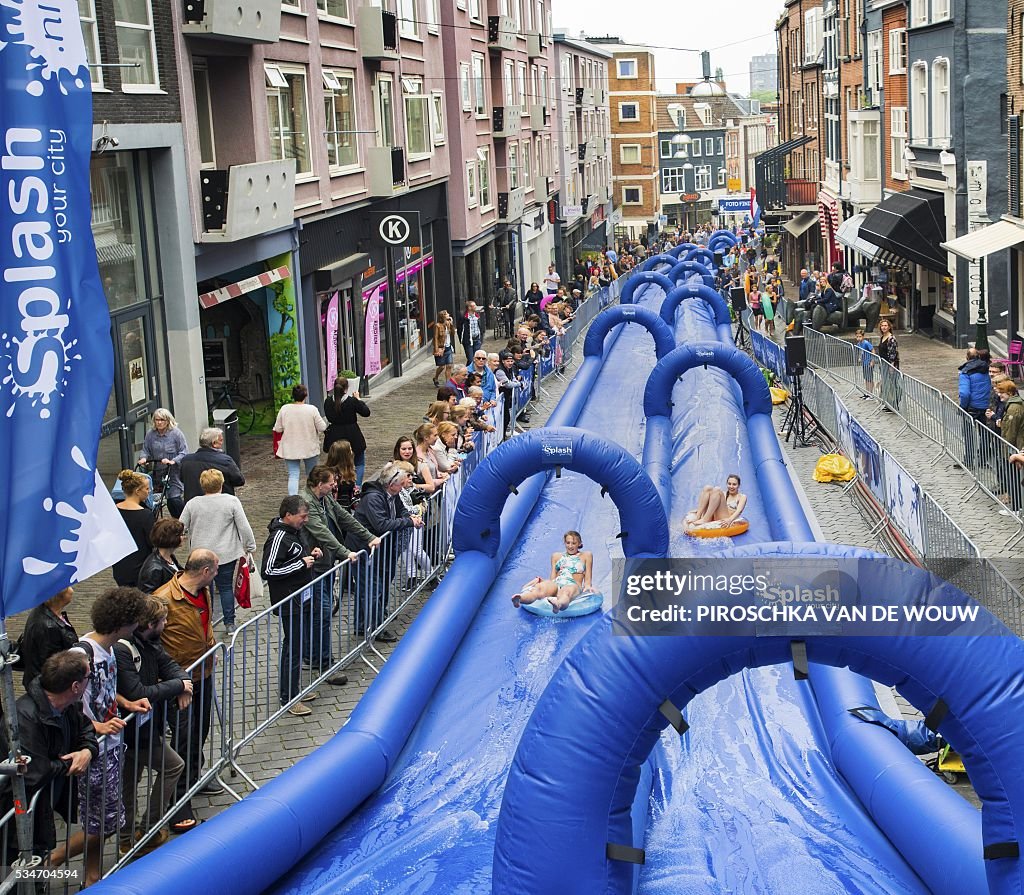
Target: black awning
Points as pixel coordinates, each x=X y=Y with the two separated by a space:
x=911 y=225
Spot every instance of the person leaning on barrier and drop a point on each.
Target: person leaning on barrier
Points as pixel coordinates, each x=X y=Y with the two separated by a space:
x=339 y=535
x=288 y=558
x=59 y=742
x=210 y=455
x=381 y=510
x=187 y=636
x=146 y=671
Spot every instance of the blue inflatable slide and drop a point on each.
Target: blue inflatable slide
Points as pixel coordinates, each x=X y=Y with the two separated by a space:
x=501 y=752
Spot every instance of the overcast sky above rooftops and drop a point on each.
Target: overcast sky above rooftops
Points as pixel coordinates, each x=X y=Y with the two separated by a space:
x=746 y=25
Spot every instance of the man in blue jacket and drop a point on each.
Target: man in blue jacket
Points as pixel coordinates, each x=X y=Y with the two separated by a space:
x=974 y=389
x=806 y=285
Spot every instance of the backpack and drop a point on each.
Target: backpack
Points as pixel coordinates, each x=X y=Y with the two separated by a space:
x=847 y=283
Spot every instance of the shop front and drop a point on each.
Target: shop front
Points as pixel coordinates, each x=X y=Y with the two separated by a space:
x=123 y=226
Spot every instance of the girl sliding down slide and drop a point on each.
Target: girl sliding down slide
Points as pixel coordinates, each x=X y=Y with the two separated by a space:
x=717 y=509
x=570 y=576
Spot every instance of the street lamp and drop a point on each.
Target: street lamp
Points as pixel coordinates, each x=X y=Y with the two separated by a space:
x=688 y=167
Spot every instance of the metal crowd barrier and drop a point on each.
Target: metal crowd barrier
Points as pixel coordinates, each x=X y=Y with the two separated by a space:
x=924 y=409
x=931 y=534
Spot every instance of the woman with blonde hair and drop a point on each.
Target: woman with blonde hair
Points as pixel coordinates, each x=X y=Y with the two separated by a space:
x=165 y=447
x=445 y=338
x=446 y=448
x=438 y=412
x=139 y=519
x=216 y=521
x=426 y=461
x=341 y=461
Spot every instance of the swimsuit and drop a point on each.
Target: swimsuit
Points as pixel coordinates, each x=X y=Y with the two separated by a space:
x=566 y=567
x=733 y=503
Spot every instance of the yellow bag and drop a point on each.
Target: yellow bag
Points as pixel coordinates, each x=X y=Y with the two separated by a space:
x=834 y=468
x=779 y=394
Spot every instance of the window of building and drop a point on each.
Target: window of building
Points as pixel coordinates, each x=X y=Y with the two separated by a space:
x=673 y=180
x=544 y=85
x=437 y=117
x=524 y=101
x=87 y=16
x=527 y=161
x=629 y=153
x=721 y=145
x=408 y=21
x=940 y=10
x=337 y=9
x=471 y=195
x=721 y=176
x=513 y=165
x=665 y=149
x=204 y=114
x=814 y=35
x=702 y=177
x=509 y=82
x=289 y=121
x=483 y=177
x=479 y=86
x=709 y=146
x=385 y=110
x=418 y=135
x=632 y=195
x=897 y=51
x=136 y=46
x=293 y=4
x=940 y=103
x=695 y=148
x=919 y=102
x=626 y=68
x=629 y=111
x=864 y=154
x=430 y=16
x=340 y=114
x=465 y=87
x=918 y=12
x=474 y=10
x=898 y=141
x=874 y=79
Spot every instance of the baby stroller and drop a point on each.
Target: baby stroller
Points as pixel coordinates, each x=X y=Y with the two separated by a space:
x=157 y=499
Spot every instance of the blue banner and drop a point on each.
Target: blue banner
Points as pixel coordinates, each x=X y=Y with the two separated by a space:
x=59 y=524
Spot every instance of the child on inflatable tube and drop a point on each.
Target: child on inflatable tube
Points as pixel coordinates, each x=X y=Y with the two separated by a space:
x=571 y=573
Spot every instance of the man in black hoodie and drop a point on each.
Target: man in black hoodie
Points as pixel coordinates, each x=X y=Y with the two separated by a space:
x=145 y=670
x=288 y=559
x=381 y=510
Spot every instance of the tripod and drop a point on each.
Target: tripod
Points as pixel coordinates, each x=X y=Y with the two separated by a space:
x=742 y=334
x=794 y=424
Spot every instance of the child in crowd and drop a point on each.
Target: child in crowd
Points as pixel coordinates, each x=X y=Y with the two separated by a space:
x=867 y=361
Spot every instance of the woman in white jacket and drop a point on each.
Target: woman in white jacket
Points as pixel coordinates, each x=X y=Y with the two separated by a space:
x=301 y=428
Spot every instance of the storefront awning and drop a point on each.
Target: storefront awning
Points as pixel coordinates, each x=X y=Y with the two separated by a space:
x=911 y=225
x=849 y=236
x=800 y=223
x=986 y=241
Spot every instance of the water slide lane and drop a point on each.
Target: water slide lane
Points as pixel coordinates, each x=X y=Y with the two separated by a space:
x=749 y=801
x=430 y=827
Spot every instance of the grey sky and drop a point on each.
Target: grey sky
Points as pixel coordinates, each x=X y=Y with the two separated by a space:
x=688 y=24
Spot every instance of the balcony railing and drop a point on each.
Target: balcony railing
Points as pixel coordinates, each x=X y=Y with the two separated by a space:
x=501 y=33
x=254 y=21
x=801 y=192
x=247 y=200
x=511 y=205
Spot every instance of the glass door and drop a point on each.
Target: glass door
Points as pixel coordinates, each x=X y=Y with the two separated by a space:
x=135 y=395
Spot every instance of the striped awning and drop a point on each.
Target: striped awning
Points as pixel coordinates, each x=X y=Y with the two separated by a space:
x=249 y=284
x=115 y=252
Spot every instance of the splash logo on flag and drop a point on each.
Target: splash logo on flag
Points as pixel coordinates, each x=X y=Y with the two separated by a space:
x=58 y=524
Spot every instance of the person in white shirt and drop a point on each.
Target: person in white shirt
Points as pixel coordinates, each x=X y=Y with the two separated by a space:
x=552 y=280
x=301 y=428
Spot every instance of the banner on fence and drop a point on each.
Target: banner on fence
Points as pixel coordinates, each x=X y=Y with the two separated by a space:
x=862 y=450
x=903 y=503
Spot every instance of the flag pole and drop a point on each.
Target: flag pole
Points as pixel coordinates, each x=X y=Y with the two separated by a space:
x=17 y=764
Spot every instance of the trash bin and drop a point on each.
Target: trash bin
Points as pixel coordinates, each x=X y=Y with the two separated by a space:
x=226 y=419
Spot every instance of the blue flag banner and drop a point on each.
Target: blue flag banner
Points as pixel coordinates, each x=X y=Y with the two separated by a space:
x=58 y=523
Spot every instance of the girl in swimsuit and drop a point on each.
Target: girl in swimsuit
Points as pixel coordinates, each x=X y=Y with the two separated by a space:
x=570 y=576
x=717 y=508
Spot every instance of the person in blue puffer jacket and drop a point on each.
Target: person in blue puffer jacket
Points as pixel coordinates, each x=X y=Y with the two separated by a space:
x=974 y=388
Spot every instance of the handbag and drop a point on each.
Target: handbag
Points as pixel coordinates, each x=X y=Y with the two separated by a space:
x=276 y=443
x=242 y=582
x=255 y=581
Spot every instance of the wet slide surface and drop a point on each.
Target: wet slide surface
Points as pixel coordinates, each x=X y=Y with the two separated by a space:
x=747 y=802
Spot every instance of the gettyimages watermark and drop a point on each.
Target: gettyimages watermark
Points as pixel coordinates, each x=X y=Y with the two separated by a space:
x=792 y=597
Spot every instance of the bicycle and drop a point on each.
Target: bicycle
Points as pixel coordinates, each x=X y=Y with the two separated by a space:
x=228 y=397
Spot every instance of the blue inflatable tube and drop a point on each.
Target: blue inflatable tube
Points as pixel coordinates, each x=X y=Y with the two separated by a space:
x=727 y=235
x=644 y=279
x=664 y=261
x=684 y=269
x=713 y=298
x=593 y=344
x=283 y=820
x=682 y=248
x=700 y=253
x=606 y=707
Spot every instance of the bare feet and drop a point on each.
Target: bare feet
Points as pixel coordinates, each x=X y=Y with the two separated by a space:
x=515 y=600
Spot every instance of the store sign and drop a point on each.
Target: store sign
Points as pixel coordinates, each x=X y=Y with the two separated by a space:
x=690 y=197
x=734 y=185
x=977 y=218
x=571 y=211
x=734 y=206
x=396 y=228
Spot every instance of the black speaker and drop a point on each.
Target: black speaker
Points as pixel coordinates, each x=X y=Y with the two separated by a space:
x=738 y=298
x=719 y=259
x=796 y=355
